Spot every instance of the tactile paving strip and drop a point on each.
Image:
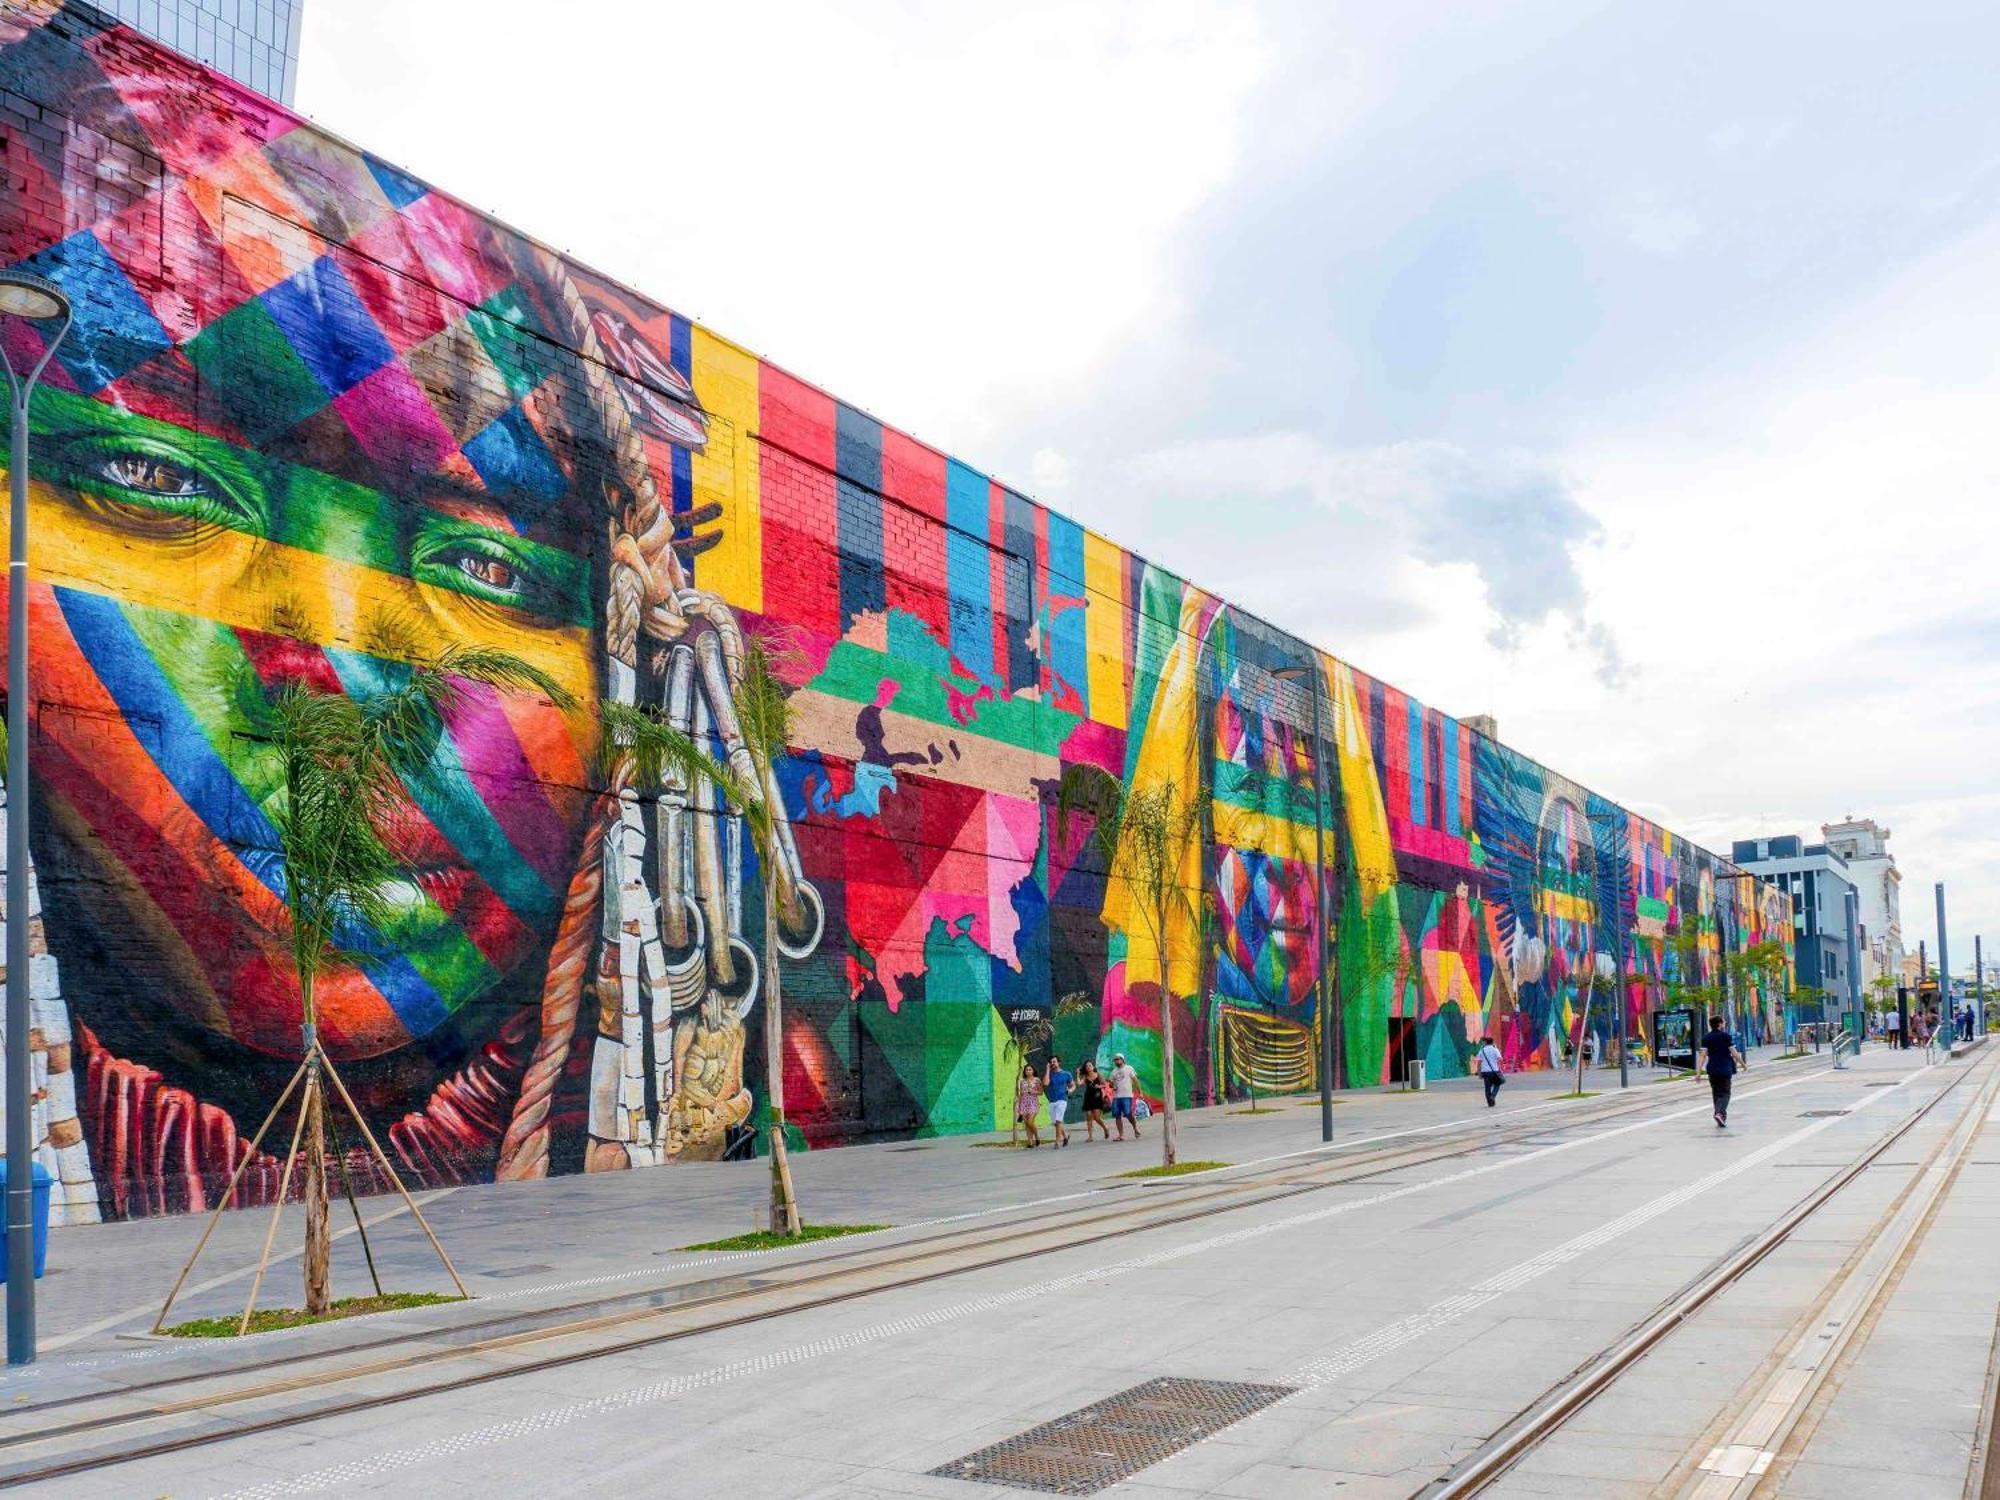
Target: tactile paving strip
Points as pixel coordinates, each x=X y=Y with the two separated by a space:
x=1113 y=1439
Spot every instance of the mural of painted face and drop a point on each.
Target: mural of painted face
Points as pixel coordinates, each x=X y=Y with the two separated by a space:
x=1566 y=891
x=261 y=572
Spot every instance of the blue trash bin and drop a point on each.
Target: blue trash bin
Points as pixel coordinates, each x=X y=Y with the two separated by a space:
x=42 y=1183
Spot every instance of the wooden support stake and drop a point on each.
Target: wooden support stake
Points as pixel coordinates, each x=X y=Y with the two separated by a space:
x=408 y=1202
x=227 y=1194
x=278 y=1210
x=347 y=1187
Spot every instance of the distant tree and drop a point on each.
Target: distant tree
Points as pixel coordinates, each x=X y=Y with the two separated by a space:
x=1143 y=835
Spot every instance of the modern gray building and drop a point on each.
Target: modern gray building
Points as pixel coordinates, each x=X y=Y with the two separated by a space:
x=256 y=42
x=1818 y=880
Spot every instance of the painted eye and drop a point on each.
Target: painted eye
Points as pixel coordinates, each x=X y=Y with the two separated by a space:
x=154 y=489
x=491 y=572
x=152 y=476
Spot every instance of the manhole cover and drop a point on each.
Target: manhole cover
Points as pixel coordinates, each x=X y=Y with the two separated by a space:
x=1113 y=1439
x=1819 y=1114
x=515 y=1271
x=1884 y=1083
x=909 y=1148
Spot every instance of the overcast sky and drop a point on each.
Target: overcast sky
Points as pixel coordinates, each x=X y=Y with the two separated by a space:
x=1628 y=372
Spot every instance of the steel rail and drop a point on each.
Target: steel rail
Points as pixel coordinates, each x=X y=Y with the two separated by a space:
x=1374 y=1158
x=1512 y=1443
x=1784 y=1411
x=1156 y=1209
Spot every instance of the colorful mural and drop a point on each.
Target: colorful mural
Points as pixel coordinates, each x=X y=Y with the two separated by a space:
x=317 y=419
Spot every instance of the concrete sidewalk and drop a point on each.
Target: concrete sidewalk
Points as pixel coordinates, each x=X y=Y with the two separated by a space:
x=514 y=1241
x=1411 y=1311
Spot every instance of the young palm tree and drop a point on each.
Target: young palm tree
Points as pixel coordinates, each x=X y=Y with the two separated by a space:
x=342 y=761
x=1143 y=836
x=341 y=764
x=757 y=739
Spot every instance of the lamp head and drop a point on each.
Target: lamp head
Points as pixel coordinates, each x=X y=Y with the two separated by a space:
x=26 y=295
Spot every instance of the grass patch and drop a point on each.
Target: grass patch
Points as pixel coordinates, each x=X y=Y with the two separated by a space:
x=1178 y=1169
x=1574 y=1094
x=1020 y=1145
x=764 y=1239
x=270 y=1319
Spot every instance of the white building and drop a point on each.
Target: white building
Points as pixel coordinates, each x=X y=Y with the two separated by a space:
x=1864 y=845
x=1818 y=881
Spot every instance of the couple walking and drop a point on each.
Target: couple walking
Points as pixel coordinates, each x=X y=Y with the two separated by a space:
x=1724 y=1058
x=1118 y=1091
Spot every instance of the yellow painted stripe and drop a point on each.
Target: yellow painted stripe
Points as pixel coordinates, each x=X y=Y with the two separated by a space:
x=247 y=583
x=725 y=472
x=1267 y=833
x=1567 y=907
x=1374 y=856
x=1104 y=629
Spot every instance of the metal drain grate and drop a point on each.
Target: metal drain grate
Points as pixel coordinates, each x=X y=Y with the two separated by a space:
x=1820 y=1114
x=1886 y=1083
x=1113 y=1439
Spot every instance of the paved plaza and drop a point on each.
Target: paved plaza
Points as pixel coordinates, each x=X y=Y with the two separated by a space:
x=1407 y=1315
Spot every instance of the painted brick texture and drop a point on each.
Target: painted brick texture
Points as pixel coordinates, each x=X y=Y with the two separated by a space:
x=317 y=421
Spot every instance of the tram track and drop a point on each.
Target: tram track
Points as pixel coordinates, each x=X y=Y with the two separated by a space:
x=1775 y=1411
x=149 y=1419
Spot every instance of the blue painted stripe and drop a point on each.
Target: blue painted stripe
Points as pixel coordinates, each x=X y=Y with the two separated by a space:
x=968 y=575
x=1069 y=648
x=210 y=789
x=1454 y=772
x=1378 y=730
x=1419 y=772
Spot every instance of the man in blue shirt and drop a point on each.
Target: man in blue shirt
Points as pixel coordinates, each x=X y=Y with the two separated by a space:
x=1055 y=1083
x=1723 y=1061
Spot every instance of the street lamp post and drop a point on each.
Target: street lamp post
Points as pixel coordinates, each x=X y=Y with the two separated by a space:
x=1944 y=961
x=22 y=296
x=1856 y=1023
x=1328 y=1056
x=1619 y=996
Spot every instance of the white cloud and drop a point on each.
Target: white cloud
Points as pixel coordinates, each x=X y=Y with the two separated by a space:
x=1050 y=472
x=1658 y=229
x=1441 y=338
x=1507 y=516
x=941 y=213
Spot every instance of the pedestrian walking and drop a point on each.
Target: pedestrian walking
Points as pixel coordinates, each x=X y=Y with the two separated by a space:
x=1028 y=1100
x=1724 y=1058
x=1056 y=1081
x=1491 y=1065
x=1892 y=1028
x=1096 y=1100
x=1124 y=1085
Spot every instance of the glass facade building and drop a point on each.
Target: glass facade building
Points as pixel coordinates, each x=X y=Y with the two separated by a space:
x=253 y=41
